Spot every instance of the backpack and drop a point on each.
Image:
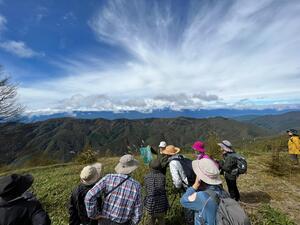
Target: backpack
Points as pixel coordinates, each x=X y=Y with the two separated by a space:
x=241 y=164
x=229 y=211
x=188 y=169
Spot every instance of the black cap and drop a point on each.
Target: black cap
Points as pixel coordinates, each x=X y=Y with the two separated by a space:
x=293 y=131
x=15 y=185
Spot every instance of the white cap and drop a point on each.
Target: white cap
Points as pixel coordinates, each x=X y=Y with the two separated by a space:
x=162 y=144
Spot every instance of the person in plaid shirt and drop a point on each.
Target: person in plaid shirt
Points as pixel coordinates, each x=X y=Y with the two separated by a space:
x=123 y=205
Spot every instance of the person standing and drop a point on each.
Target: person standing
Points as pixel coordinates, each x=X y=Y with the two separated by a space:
x=17 y=205
x=122 y=203
x=163 y=158
x=88 y=177
x=208 y=179
x=156 y=201
x=294 y=145
x=227 y=165
x=198 y=146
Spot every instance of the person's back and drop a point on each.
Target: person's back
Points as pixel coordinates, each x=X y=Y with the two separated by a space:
x=156 y=201
x=89 y=175
x=122 y=203
x=22 y=210
x=77 y=209
x=17 y=206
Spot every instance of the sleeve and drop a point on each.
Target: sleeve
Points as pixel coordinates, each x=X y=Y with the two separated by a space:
x=138 y=209
x=153 y=150
x=185 y=202
x=91 y=203
x=39 y=216
x=297 y=143
x=73 y=219
x=175 y=174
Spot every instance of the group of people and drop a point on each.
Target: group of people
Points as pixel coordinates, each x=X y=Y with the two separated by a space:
x=117 y=198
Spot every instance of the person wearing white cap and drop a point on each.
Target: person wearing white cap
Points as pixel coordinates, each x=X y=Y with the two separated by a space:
x=89 y=175
x=163 y=158
x=227 y=166
x=208 y=179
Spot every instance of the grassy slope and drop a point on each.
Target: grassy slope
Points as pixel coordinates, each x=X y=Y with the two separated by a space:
x=53 y=185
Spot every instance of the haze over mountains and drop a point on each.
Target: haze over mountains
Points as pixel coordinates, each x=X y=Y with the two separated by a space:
x=63 y=138
x=165 y=113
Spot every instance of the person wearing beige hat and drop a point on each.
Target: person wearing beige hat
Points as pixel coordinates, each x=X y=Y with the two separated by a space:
x=89 y=175
x=204 y=206
x=122 y=202
x=178 y=175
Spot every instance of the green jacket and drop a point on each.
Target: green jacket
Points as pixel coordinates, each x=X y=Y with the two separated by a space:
x=228 y=164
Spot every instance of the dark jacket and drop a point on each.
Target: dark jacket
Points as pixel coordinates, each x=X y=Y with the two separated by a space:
x=77 y=208
x=25 y=210
x=156 y=200
x=227 y=165
x=163 y=159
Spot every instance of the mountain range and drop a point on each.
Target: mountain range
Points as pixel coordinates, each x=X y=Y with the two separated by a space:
x=64 y=138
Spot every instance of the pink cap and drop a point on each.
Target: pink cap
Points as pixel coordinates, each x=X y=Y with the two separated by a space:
x=199 y=146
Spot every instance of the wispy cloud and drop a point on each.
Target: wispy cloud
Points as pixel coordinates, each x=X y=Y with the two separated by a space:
x=225 y=50
x=2 y=22
x=19 y=49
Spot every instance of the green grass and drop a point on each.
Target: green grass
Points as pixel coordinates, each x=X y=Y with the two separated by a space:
x=53 y=186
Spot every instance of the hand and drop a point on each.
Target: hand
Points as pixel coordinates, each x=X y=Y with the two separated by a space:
x=196 y=185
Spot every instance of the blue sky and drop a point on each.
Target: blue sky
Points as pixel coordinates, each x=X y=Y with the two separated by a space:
x=144 y=55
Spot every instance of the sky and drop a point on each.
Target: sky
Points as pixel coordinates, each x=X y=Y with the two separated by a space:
x=123 y=55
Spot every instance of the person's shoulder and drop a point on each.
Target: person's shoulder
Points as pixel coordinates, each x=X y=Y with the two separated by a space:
x=135 y=183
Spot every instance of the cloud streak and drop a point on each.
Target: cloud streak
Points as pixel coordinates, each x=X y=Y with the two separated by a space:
x=19 y=49
x=204 y=54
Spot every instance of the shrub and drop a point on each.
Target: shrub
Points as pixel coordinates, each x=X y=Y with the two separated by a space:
x=87 y=156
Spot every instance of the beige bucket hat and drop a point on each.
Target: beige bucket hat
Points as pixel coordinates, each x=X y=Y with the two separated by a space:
x=171 y=150
x=207 y=171
x=226 y=146
x=91 y=174
x=127 y=164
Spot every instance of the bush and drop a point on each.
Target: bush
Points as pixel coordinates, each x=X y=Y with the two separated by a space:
x=86 y=157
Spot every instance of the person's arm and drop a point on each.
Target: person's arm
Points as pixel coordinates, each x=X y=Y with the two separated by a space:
x=138 y=209
x=297 y=143
x=175 y=174
x=190 y=201
x=91 y=203
x=39 y=216
x=73 y=219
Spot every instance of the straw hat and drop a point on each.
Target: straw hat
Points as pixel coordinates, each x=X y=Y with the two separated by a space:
x=91 y=174
x=127 y=164
x=226 y=146
x=171 y=150
x=199 y=146
x=207 y=171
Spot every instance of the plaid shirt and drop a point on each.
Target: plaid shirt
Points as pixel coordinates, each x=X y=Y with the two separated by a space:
x=122 y=205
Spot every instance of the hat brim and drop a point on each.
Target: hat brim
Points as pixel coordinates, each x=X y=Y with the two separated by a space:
x=22 y=185
x=120 y=168
x=177 y=150
x=203 y=177
x=225 y=148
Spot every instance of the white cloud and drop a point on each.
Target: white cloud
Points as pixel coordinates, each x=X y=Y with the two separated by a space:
x=2 y=22
x=19 y=49
x=203 y=55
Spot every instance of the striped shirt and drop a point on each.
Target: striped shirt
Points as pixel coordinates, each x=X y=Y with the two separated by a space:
x=122 y=205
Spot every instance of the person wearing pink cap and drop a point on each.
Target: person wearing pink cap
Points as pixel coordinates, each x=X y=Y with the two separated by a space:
x=199 y=147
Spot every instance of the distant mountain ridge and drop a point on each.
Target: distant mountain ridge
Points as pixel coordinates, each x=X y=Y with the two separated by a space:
x=164 y=113
x=63 y=138
x=276 y=123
